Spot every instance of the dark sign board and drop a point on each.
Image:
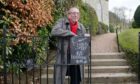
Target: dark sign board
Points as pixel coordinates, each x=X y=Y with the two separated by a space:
x=80 y=50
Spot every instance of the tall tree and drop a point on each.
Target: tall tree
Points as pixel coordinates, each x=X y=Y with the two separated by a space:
x=114 y=19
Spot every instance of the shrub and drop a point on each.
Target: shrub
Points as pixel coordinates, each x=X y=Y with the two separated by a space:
x=134 y=25
x=22 y=20
x=111 y=28
x=102 y=28
x=25 y=17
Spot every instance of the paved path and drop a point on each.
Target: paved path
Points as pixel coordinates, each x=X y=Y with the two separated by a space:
x=105 y=43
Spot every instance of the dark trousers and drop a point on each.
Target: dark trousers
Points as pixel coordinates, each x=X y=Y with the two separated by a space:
x=74 y=72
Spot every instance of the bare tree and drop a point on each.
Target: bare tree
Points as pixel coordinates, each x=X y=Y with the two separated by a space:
x=120 y=12
x=123 y=16
x=129 y=17
x=117 y=21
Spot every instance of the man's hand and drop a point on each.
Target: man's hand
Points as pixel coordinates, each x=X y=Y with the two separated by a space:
x=74 y=34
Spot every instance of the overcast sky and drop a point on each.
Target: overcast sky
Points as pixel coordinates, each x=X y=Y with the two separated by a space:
x=131 y=6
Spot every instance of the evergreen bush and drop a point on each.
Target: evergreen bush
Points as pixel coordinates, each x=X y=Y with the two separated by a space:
x=137 y=18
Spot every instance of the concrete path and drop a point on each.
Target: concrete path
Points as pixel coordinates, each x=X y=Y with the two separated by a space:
x=105 y=43
x=109 y=65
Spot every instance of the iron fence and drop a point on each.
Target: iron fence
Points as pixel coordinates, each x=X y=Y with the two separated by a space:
x=31 y=61
x=118 y=40
x=139 y=58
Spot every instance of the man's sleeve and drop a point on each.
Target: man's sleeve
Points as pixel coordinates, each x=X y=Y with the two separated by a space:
x=59 y=30
x=83 y=29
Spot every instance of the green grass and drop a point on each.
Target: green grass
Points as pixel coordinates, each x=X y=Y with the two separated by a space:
x=129 y=43
x=129 y=40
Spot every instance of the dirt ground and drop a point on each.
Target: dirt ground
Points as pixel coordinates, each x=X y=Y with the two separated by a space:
x=105 y=43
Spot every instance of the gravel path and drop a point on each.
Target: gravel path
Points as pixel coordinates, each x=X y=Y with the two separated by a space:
x=105 y=43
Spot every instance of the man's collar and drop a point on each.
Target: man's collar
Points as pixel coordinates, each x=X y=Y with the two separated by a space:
x=67 y=21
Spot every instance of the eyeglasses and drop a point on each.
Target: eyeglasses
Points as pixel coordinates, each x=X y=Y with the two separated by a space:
x=74 y=13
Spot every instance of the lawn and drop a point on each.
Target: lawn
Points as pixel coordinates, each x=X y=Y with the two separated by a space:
x=128 y=39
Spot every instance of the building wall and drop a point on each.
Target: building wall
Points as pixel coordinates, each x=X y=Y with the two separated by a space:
x=101 y=8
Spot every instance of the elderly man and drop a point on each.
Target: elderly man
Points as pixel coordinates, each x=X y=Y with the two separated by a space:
x=64 y=29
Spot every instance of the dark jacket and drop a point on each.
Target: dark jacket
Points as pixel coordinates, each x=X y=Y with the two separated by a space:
x=63 y=33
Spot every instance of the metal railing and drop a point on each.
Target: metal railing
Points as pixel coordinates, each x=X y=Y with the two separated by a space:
x=29 y=63
x=139 y=58
x=118 y=40
x=23 y=63
x=19 y=62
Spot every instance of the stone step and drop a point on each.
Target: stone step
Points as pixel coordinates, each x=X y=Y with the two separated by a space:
x=119 y=83
x=114 y=77
x=107 y=55
x=106 y=78
x=109 y=62
x=104 y=56
x=108 y=69
x=114 y=61
x=97 y=69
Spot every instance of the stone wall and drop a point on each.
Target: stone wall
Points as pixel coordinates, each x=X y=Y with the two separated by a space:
x=101 y=8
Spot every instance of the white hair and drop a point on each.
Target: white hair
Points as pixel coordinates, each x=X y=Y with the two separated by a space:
x=73 y=9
